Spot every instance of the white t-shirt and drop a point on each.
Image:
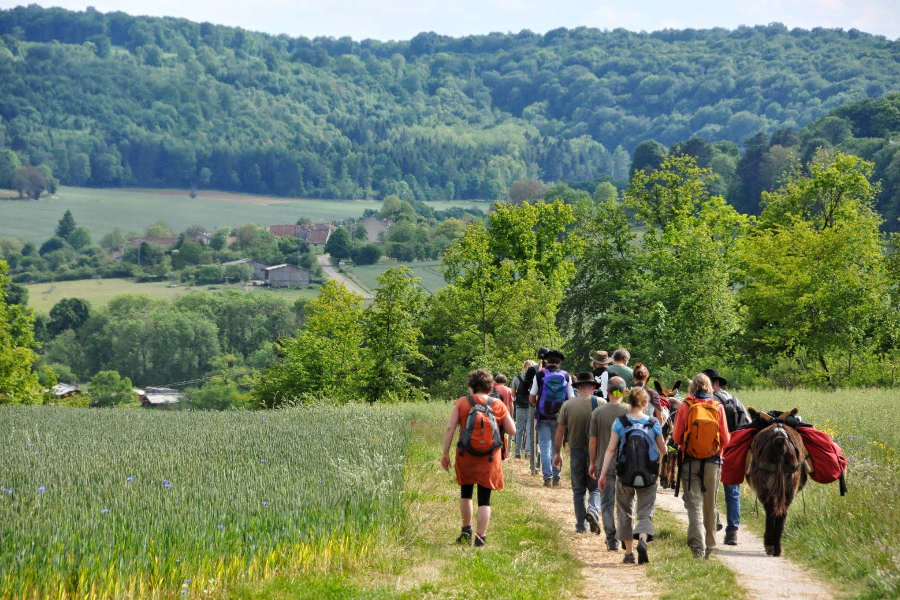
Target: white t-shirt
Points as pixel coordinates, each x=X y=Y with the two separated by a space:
x=570 y=391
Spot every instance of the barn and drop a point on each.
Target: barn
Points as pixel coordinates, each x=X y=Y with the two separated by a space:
x=286 y=275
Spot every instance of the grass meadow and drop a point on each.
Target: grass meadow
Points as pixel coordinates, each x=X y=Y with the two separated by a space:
x=428 y=271
x=102 y=210
x=133 y=503
x=43 y=296
x=851 y=541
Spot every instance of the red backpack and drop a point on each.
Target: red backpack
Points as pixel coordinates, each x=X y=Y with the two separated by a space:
x=827 y=457
x=481 y=435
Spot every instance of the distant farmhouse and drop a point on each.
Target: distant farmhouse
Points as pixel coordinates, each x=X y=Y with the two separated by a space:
x=375 y=226
x=286 y=276
x=63 y=390
x=259 y=269
x=158 y=396
x=314 y=235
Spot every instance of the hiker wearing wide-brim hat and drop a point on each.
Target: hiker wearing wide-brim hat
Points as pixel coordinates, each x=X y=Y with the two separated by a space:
x=599 y=361
x=601 y=357
x=550 y=389
x=714 y=376
x=585 y=379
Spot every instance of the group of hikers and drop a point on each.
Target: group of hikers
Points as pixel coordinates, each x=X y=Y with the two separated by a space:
x=611 y=424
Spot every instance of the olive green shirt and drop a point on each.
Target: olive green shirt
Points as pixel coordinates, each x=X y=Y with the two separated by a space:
x=575 y=414
x=602 y=421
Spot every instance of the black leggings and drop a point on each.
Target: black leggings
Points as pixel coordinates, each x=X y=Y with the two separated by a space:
x=484 y=494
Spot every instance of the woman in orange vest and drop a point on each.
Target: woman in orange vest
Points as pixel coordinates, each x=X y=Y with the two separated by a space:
x=479 y=458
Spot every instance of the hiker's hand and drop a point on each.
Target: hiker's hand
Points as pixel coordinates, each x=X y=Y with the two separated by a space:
x=592 y=471
x=601 y=483
x=445 y=462
x=557 y=461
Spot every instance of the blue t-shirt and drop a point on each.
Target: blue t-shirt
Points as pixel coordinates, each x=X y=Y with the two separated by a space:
x=619 y=429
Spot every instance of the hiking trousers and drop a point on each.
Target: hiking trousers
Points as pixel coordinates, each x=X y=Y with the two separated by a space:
x=531 y=438
x=524 y=431
x=546 y=435
x=583 y=484
x=608 y=506
x=635 y=507
x=701 y=506
x=732 y=506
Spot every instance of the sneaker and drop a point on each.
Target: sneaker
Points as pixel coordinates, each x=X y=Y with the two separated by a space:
x=731 y=538
x=465 y=538
x=556 y=482
x=518 y=456
x=547 y=482
x=580 y=531
x=480 y=540
x=612 y=545
x=629 y=559
x=592 y=521
x=708 y=553
x=642 y=553
x=697 y=553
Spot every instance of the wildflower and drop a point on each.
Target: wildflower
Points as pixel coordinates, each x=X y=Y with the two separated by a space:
x=183 y=592
x=41 y=489
x=105 y=511
x=265 y=503
x=262 y=460
x=36 y=453
x=220 y=527
x=129 y=479
x=31 y=445
x=168 y=486
x=187 y=581
x=320 y=481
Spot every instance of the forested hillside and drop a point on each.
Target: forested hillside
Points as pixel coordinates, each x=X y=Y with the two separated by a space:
x=112 y=100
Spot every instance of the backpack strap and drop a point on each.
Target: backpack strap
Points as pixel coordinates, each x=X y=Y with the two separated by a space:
x=594 y=402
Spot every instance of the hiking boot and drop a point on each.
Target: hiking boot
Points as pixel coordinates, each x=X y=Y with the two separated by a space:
x=708 y=553
x=556 y=482
x=612 y=545
x=547 y=482
x=643 y=559
x=731 y=538
x=592 y=521
x=629 y=559
x=480 y=540
x=518 y=456
x=697 y=553
x=580 y=531
x=465 y=538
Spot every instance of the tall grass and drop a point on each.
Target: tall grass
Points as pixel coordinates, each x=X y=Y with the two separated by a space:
x=110 y=503
x=853 y=540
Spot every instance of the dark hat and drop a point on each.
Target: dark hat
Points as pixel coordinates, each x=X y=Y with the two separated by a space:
x=602 y=357
x=542 y=352
x=713 y=375
x=584 y=379
x=555 y=354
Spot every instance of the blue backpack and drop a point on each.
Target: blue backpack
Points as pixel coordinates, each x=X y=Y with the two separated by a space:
x=638 y=462
x=553 y=393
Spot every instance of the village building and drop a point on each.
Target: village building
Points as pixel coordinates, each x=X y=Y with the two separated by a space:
x=375 y=227
x=259 y=269
x=63 y=390
x=286 y=275
x=158 y=396
x=314 y=235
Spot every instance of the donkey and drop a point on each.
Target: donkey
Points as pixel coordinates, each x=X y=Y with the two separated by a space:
x=776 y=472
x=668 y=463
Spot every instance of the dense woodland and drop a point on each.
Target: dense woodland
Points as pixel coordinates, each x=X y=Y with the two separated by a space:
x=110 y=100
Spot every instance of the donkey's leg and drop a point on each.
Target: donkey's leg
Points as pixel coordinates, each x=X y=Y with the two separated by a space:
x=769 y=537
x=779 y=530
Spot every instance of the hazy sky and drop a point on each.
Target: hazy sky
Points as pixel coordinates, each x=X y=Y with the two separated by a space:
x=402 y=19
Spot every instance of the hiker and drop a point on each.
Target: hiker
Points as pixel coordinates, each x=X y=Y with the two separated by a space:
x=736 y=416
x=503 y=393
x=619 y=366
x=574 y=419
x=639 y=378
x=528 y=381
x=524 y=422
x=636 y=444
x=701 y=432
x=482 y=420
x=601 y=430
x=550 y=389
x=599 y=361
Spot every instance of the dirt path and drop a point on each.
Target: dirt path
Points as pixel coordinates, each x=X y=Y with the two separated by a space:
x=762 y=576
x=603 y=571
x=325 y=262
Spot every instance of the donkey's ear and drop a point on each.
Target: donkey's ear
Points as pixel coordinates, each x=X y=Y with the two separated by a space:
x=659 y=389
x=752 y=412
x=792 y=413
x=676 y=386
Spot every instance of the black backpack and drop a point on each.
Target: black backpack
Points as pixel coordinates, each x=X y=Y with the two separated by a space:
x=638 y=462
x=522 y=392
x=735 y=413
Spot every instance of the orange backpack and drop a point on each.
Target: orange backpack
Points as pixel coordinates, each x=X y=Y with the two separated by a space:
x=701 y=429
x=481 y=434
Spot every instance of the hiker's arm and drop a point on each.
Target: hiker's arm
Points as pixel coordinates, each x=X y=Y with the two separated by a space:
x=448 y=437
x=607 y=458
x=558 y=444
x=661 y=444
x=532 y=399
x=724 y=433
x=592 y=452
x=678 y=430
x=508 y=425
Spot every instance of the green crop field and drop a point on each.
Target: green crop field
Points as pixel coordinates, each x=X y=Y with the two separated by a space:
x=43 y=296
x=428 y=271
x=132 y=503
x=101 y=210
x=852 y=540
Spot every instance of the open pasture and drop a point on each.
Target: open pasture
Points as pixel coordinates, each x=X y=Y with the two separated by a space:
x=102 y=210
x=43 y=296
x=853 y=540
x=133 y=503
x=428 y=271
